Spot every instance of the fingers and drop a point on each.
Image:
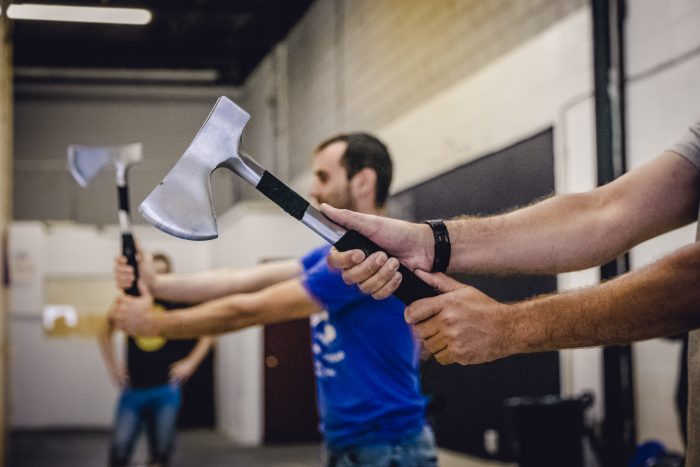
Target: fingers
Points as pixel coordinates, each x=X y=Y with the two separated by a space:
x=381 y=271
x=444 y=357
x=344 y=259
x=424 y=309
x=389 y=288
x=435 y=344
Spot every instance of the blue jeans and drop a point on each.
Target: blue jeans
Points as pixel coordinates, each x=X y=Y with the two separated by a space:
x=155 y=408
x=416 y=451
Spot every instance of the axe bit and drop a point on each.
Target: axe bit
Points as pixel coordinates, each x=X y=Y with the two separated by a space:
x=181 y=204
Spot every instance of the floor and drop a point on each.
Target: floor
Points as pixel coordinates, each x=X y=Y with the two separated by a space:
x=71 y=448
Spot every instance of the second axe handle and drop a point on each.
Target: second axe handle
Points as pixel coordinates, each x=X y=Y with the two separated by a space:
x=129 y=250
x=128 y=244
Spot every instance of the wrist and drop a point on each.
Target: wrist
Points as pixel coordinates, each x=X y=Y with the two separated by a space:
x=424 y=238
x=154 y=283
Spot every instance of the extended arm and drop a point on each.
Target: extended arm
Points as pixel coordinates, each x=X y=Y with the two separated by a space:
x=563 y=233
x=115 y=368
x=463 y=325
x=285 y=301
x=206 y=285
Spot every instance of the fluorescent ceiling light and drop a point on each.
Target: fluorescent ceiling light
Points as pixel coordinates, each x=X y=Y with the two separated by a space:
x=79 y=14
x=112 y=74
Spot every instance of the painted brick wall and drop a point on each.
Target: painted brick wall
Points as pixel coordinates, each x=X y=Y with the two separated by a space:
x=357 y=65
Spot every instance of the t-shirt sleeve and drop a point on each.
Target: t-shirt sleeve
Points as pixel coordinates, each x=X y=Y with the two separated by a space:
x=327 y=287
x=314 y=256
x=689 y=145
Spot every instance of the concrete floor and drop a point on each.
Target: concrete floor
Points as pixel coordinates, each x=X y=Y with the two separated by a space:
x=201 y=448
x=74 y=448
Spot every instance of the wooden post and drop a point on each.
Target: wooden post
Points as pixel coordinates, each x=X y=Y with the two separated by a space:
x=6 y=128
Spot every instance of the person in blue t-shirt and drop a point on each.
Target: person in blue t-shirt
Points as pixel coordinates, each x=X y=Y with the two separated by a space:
x=365 y=356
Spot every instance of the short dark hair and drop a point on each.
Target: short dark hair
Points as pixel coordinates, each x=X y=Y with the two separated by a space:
x=364 y=150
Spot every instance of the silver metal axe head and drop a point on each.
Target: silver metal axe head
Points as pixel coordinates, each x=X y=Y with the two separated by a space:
x=85 y=162
x=181 y=204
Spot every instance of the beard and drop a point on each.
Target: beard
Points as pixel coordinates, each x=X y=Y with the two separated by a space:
x=340 y=200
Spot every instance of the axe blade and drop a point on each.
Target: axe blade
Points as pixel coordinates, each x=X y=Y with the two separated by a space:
x=85 y=162
x=181 y=205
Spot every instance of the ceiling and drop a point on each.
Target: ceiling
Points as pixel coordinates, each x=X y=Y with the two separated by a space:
x=226 y=38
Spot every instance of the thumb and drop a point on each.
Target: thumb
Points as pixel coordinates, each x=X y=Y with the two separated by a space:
x=439 y=281
x=349 y=219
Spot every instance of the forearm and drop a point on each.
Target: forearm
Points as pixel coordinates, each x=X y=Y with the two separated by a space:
x=554 y=235
x=104 y=340
x=210 y=318
x=208 y=285
x=280 y=302
x=200 y=350
x=577 y=231
x=658 y=300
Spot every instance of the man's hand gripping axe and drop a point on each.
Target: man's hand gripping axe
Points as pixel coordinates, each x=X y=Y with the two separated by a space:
x=85 y=162
x=181 y=204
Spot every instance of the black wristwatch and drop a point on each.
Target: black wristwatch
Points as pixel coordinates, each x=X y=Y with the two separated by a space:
x=443 y=248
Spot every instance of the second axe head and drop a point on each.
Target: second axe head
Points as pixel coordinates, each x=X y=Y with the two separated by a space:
x=85 y=162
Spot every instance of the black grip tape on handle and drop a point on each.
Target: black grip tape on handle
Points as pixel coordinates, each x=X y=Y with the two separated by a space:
x=123 y=198
x=411 y=288
x=129 y=250
x=282 y=195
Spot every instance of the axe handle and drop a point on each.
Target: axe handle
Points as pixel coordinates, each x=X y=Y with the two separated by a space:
x=412 y=288
x=129 y=250
x=128 y=244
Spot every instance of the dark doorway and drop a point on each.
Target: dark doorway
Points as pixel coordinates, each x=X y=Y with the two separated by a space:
x=466 y=402
x=290 y=395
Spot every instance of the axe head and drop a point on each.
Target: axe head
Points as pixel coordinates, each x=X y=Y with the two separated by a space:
x=181 y=204
x=85 y=162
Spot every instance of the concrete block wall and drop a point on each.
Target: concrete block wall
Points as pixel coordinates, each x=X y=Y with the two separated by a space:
x=358 y=65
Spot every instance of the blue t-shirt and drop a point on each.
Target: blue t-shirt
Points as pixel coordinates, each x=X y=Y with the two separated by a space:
x=365 y=360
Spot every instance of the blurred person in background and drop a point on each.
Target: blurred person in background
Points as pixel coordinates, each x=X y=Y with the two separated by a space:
x=151 y=385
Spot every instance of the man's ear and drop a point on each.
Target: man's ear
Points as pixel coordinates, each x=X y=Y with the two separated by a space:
x=364 y=183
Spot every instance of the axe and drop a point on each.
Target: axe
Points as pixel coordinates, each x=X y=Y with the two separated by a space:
x=181 y=204
x=85 y=162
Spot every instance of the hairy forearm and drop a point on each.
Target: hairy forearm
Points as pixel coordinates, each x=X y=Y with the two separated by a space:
x=658 y=300
x=577 y=231
x=551 y=236
x=208 y=285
